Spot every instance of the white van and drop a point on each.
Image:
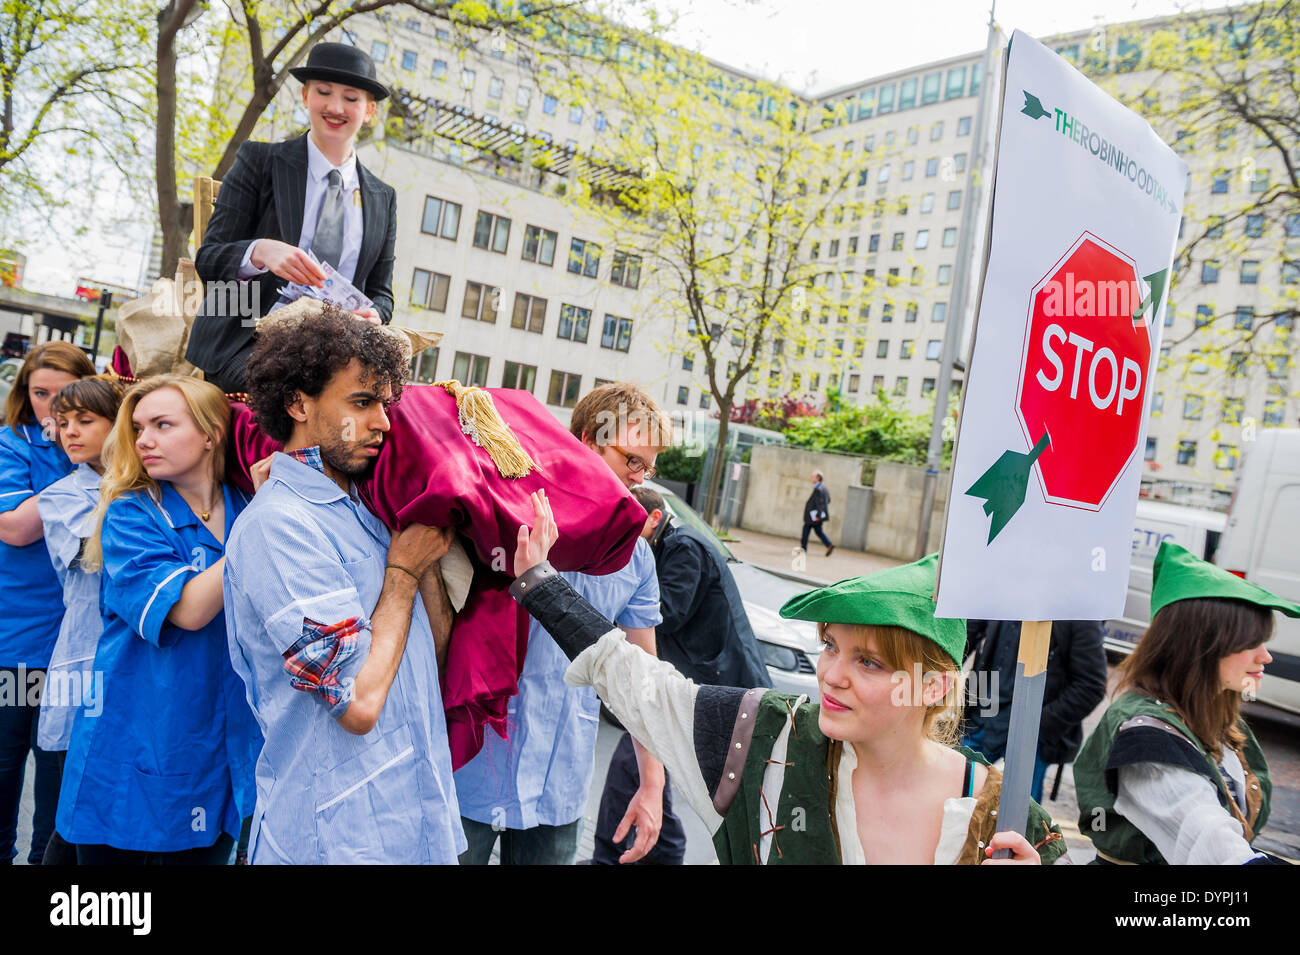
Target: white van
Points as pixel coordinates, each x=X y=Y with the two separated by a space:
x=1259 y=539
x=1262 y=544
x=1197 y=529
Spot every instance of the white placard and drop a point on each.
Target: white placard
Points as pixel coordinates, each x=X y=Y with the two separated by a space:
x=1086 y=206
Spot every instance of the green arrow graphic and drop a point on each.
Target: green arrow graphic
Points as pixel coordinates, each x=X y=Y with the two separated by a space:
x=1003 y=485
x=1033 y=108
x=1151 y=303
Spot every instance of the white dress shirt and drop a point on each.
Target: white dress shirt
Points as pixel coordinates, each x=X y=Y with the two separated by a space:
x=318 y=169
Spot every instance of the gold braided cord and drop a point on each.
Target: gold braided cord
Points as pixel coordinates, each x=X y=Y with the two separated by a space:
x=480 y=420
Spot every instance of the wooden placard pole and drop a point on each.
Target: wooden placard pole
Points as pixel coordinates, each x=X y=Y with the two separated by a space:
x=1022 y=737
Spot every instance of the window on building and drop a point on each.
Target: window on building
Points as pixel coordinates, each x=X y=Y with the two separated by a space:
x=873 y=242
x=1290 y=273
x=539 y=245
x=467 y=79
x=409 y=60
x=909 y=315
x=900 y=385
x=905 y=348
x=1219 y=185
x=617 y=333
x=1292 y=226
x=855 y=382
x=626 y=270
x=496 y=87
x=1245 y=317
x=564 y=389
x=954 y=199
x=439 y=69
x=909 y=169
x=945 y=275
x=922 y=239
x=549 y=104
x=932 y=167
x=1260 y=182
x=575 y=114
x=683 y=394
x=470 y=369
x=896 y=244
x=1274 y=412
x=441 y=218
x=1187 y=453
x=379 y=52
x=949 y=238
x=480 y=302
x=927 y=202
x=1204 y=315
x=887 y=312
x=424 y=366
x=584 y=258
x=939 y=312
x=883 y=175
x=1193 y=407
x=574 y=324
x=529 y=313
x=959 y=163
x=907 y=93
x=1209 y=271
x=1249 y=272
x=429 y=290
x=833 y=254
x=885 y=99
x=491 y=232
x=853 y=245
x=1225 y=459
x=1233 y=408
x=1150 y=453
x=1158 y=403
x=936 y=131
x=892 y=278
x=523 y=377
x=934 y=349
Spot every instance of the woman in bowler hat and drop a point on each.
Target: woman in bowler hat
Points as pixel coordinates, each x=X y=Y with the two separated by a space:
x=281 y=200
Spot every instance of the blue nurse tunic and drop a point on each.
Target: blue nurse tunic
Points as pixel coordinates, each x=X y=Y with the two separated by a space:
x=29 y=589
x=168 y=763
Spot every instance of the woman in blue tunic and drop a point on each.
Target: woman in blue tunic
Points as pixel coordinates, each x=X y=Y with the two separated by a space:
x=84 y=413
x=164 y=773
x=30 y=460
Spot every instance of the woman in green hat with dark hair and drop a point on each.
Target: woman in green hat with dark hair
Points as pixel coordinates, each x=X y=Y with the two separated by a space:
x=1173 y=774
x=868 y=776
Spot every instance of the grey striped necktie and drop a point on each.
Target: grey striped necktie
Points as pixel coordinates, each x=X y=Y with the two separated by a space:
x=327 y=243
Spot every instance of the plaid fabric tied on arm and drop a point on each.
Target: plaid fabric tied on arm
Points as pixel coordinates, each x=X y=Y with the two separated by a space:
x=314 y=661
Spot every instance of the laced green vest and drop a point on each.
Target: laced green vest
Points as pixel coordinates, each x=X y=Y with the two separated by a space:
x=1117 y=839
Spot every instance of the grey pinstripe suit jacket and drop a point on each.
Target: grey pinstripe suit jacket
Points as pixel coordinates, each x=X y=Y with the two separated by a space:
x=262 y=197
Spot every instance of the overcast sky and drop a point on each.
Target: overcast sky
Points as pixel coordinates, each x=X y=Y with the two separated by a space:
x=813 y=45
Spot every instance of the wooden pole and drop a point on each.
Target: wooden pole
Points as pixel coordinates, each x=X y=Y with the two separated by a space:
x=1022 y=737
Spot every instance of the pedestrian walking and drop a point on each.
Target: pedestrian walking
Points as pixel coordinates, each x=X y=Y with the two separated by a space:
x=816 y=511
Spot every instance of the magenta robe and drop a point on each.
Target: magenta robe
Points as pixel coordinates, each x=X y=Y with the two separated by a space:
x=429 y=472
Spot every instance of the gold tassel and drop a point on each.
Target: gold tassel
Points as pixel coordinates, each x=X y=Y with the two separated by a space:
x=481 y=421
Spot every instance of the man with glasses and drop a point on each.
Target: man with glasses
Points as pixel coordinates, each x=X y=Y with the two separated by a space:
x=531 y=790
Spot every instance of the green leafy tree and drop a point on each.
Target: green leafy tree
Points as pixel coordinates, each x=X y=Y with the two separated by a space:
x=881 y=429
x=728 y=186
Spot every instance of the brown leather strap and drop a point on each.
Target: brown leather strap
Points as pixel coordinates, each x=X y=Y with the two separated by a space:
x=737 y=750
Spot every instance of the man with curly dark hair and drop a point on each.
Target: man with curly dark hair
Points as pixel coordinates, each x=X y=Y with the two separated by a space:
x=340 y=660
x=294 y=362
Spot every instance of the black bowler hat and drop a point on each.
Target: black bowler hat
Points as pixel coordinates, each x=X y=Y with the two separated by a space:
x=341 y=63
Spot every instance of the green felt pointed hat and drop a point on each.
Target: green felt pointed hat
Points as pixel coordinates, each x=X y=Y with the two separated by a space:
x=898 y=597
x=1178 y=575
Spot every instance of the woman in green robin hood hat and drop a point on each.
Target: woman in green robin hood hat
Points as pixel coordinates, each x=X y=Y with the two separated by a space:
x=1172 y=774
x=867 y=776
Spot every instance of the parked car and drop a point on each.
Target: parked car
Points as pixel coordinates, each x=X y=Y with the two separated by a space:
x=789 y=647
x=9 y=369
x=1256 y=540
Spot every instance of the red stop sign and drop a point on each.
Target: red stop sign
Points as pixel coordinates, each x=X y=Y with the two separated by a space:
x=1084 y=372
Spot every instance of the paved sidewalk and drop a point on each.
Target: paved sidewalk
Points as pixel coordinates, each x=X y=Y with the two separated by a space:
x=781 y=556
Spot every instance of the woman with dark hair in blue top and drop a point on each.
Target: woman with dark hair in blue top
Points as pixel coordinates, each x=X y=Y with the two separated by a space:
x=30 y=461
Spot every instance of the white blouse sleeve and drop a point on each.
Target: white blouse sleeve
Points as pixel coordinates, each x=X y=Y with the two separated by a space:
x=657 y=706
x=1179 y=811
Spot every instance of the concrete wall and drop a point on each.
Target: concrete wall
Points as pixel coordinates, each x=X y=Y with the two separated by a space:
x=779 y=485
x=857 y=517
x=896 y=509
